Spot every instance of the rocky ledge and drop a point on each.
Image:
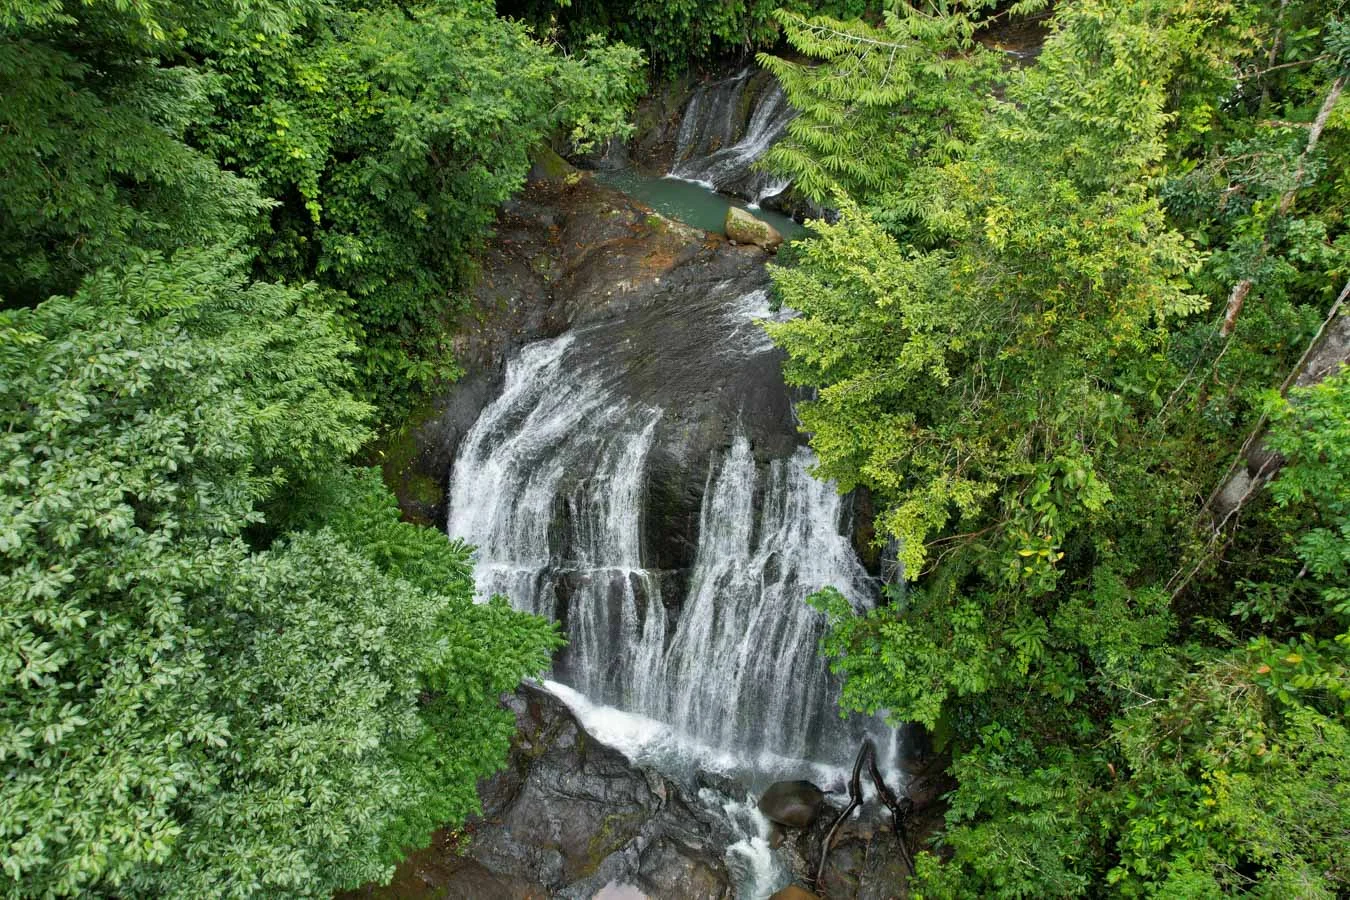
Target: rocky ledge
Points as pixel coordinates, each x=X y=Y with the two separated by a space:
x=571 y=818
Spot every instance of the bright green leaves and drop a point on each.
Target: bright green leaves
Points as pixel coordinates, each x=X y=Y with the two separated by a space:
x=910 y=666
x=1010 y=385
x=131 y=431
x=1226 y=786
x=882 y=100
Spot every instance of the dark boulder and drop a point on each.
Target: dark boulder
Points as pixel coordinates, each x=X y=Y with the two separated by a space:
x=795 y=804
x=793 y=892
x=567 y=818
x=870 y=869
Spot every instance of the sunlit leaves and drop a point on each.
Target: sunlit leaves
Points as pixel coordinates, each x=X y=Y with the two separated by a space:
x=878 y=100
x=1002 y=383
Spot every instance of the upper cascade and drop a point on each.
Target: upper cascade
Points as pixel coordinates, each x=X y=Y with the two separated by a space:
x=718 y=143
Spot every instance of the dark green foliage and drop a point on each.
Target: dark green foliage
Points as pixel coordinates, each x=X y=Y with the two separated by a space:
x=92 y=164
x=386 y=136
x=676 y=34
x=226 y=667
x=185 y=715
x=391 y=135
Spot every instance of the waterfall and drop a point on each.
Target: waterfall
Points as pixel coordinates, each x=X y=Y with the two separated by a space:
x=517 y=471
x=716 y=146
x=742 y=667
x=551 y=485
x=756 y=871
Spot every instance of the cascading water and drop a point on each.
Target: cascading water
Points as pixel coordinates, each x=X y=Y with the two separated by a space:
x=742 y=668
x=551 y=486
x=716 y=146
x=556 y=418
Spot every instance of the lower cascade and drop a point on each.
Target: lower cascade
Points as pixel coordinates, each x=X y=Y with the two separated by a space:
x=554 y=484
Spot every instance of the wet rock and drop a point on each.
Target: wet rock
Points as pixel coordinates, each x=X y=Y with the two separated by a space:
x=566 y=255
x=872 y=869
x=916 y=755
x=568 y=818
x=795 y=804
x=545 y=165
x=722 y=784
x=610 y=156
x=669 y=871
x=472 y=881
x=744 y=228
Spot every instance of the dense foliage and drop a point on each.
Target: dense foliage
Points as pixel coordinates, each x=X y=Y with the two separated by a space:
x=389 y=136
x=226 y=667
x=676 y=34
x=188 y=713
x=1025 y=341
x=383 y=138
x=1061 y=305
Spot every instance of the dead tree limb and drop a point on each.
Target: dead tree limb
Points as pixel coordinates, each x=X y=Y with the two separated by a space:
x=1238 y=295
x=1256 y=464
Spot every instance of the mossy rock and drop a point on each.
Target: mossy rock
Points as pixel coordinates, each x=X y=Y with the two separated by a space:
x=548 y=166
x=398 y=454
x=744 y=228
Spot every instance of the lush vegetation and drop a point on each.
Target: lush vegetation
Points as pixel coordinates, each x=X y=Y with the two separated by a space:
x=365 y=148
x=226 y=667
x=1057 y=301
x=1061 y=305
x=676 y=34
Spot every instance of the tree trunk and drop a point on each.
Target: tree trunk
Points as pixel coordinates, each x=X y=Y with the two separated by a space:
x=1257 y=464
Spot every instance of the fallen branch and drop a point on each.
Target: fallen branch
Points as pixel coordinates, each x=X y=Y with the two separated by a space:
x=1238 y=295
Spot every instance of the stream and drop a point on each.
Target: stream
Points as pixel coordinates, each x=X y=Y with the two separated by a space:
x=640 y=480
x=691 y=202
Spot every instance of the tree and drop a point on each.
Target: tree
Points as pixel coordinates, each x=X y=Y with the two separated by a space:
x=877 y=101
x=676 y=34
x=390 y=136
x=189 y=707
x=93 y=163
x=385 y=136
x=1005 y=349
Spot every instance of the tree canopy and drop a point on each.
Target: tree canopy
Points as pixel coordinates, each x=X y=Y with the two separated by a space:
x=227 y=668
x=1022 y=336
x=191 y=709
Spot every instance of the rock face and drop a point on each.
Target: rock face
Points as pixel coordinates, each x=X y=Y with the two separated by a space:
x=568 y=252
x=744 y=228
x=795 y=804
x=570 y=818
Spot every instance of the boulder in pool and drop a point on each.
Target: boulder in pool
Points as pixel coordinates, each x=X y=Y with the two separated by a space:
x=793 y=804
x=743 y=228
